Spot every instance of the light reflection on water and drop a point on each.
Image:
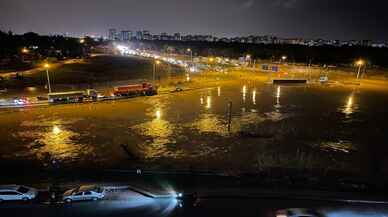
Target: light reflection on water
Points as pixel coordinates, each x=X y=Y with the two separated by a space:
x=244 y=93
x=159 y=134
x=254 y=97
x=278 y=91
x=210 y=123
x=53 y=138
x=208 y=102
x=339 y=146
x=350 y=106
x=192 y=124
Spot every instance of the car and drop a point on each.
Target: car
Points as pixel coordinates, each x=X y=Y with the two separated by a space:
x=297 y=212
x=17 y=192
x=84 y=192
x=21 y=101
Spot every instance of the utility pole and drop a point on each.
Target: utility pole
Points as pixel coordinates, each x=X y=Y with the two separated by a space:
x=48 y=76
x=360 y=63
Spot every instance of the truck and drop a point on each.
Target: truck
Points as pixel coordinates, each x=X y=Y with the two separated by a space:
x=66 y=97
x=145 y=89
x=91 y=94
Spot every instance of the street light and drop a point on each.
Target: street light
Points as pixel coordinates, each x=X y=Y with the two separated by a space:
x=82 y=41
x=248 y=57
x=25 y=50
x=191 y=54
x=359 y=63
x=47 y=66
x=284 y=58
x=157 y=62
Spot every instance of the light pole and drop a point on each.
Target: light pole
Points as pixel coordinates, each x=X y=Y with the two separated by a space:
x=284 y=58
x=248 y=57
x=48 y=76
x=191 y=54
x=360 y=63
x=157 y=62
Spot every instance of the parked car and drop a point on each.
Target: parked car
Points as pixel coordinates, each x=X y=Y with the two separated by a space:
x=85 y=192
x=17 y=192
x=296 y=212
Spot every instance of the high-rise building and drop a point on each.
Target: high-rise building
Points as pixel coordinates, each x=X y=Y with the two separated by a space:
x=126 y=35
x=139 y=35
x=112 y=34
x=177 y=36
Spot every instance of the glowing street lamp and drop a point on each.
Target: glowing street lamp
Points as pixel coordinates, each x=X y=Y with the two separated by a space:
x=359 y=63
x=47 y=66
x=191 y=53
x=82 y=41
x=25 y=50
x=211 y=59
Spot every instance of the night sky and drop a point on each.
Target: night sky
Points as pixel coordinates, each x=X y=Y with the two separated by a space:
x=329 y=19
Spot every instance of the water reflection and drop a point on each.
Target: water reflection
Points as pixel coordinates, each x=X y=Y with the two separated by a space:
x=218 y=91
x=158 y=114
x=53 y=138
x=209 y=123
x=59 y=142
x=254 y=97
x=201 y=100
x=160 y=133
x=208 y=102
x=278 y=92
x=350 y=106
x=56 y=130
x=244 y=92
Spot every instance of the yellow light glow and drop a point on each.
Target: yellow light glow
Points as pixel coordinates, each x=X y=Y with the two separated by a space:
x=188 y=50
x=254 y=97
x=349 y=106
x=157 y=62
x=284 y=57
x=244 y=90
x=360 y=62
x=208 y=102
x=25 y=50
x=46 y=65
x=350 y=102
x=158 y=114
x=201 y=100
x=218 y=91
x=82 y=41
x=248 y=56
x=211 y=59
x=56 y=130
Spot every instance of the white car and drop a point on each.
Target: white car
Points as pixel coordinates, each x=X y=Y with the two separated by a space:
x=296 y=212
x=17 y=192
x=85 y=192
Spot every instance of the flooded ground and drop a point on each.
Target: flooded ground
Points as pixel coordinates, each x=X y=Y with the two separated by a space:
x=324 y=127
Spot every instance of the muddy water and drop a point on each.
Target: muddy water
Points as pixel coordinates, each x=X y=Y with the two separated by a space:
x=271 y=126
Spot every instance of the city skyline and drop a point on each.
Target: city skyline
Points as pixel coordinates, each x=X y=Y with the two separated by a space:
x=344 y=20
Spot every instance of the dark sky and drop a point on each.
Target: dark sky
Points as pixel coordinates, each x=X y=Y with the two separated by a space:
x=330 y=19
